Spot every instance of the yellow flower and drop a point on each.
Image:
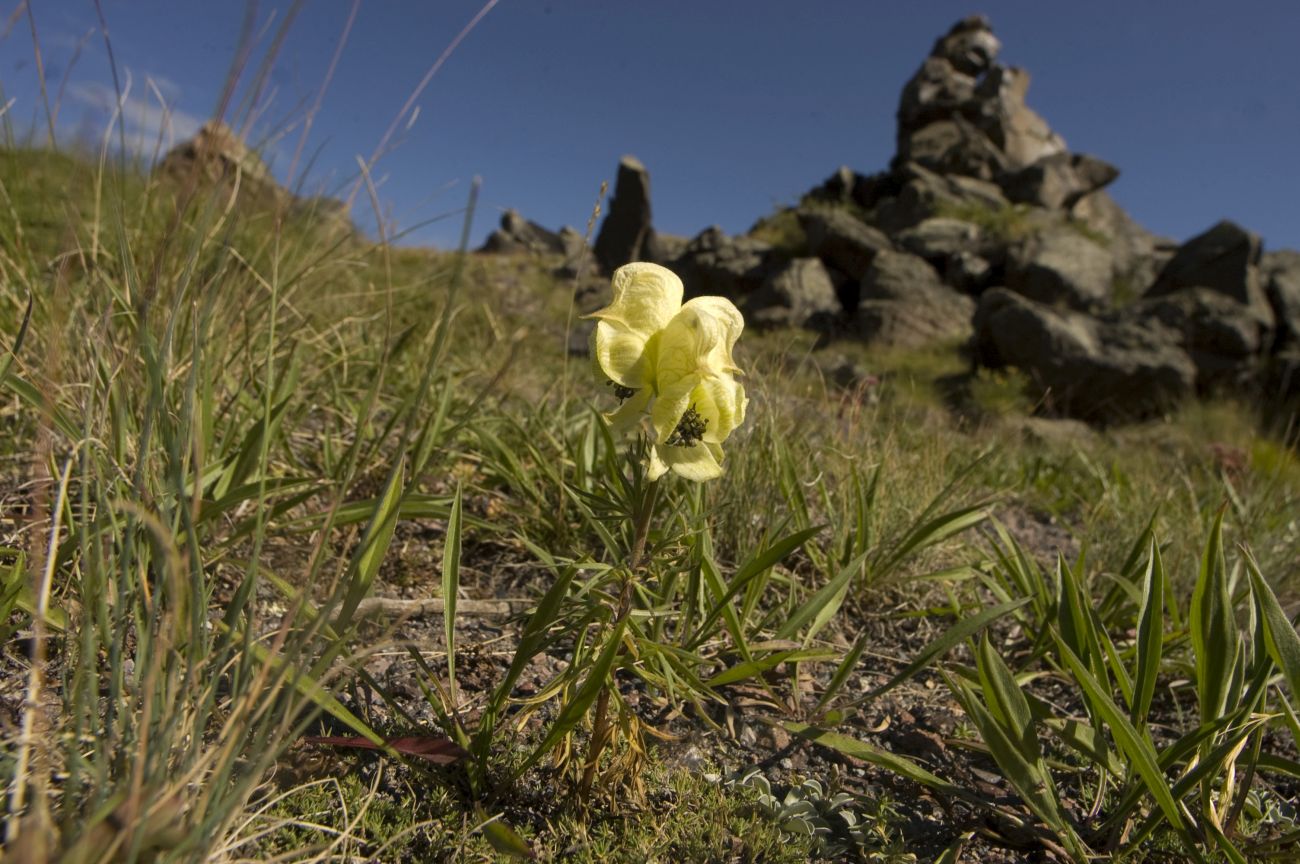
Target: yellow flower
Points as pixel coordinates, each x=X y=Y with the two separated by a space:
x=674 y=360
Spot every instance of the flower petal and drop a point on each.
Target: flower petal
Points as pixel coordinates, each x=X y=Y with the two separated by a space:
x=671 y=405
x=626 y=415
x=625 y=356
x=645 y=298
x=720 y=401
x=728 y=324
x=697 y=463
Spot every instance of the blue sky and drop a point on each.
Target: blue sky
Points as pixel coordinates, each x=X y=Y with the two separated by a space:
x=735 y=107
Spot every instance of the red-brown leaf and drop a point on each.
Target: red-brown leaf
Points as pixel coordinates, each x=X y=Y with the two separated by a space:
x=432 y=748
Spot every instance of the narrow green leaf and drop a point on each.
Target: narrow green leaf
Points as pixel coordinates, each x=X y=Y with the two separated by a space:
x=753 y=668
x=372 y=548
x=1150 y=637
x=578 y=706
x=1213 y=629
x=451 y=589
x=713 y=581
x=1023 y=769
x=829 y=598
x=1279 y=634
x=502 y=837
x=18 y=340
x=842 y=672
x=1135 y=746
x=934 y=531
x=757 y=564
x=882 y=758
x=1006 y=701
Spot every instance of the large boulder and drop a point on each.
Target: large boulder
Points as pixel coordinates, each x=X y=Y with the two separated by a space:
x=841 y=239
x=1102 y=370
x=799 y=293
x=1281 y=273
x=902 y=302
x=1057 y=181
x=715 y=263
x=1223 y=337
x=1224 y=258
x=1059 y=266
x=627 y=229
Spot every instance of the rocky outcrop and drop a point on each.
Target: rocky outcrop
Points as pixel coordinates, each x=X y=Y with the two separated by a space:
x=626 y=232
x=986 y=227
x=1058 y=181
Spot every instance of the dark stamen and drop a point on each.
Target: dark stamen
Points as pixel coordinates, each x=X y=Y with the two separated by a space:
x=622 y=393
x=690 y=429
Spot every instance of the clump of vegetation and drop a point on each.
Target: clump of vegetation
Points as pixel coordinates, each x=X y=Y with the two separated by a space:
x=781 y=230
x=1005 y=223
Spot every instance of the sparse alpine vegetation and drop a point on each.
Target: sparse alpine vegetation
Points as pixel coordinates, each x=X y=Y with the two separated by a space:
x=313 y=548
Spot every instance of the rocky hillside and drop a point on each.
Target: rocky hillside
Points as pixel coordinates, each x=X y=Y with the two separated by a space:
x=985 y=229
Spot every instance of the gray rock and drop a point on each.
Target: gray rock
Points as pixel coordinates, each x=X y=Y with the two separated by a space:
x=1281 y=273
x=579 y=260
x=799 y=293
x=1057 y=181
x=937 y=91
x=924 y=193
x=662 y=248
x=1223 y=337
x=901 y=302
x=841 y=240
x=518 y=234
x=945 y=83
x=1224 y=259
x=1101 y=370
x=953 y=146
x=939 y=237
x=627 y=228
x=1021 y=135
x=1138 y=254
x=715 y=263
x=954 y=247
x=1061 y=267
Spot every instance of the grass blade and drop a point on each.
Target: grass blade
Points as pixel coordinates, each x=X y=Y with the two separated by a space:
x=450 y=590
x=1150 y=637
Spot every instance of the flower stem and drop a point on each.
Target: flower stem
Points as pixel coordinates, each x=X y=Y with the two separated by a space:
x=601 y=729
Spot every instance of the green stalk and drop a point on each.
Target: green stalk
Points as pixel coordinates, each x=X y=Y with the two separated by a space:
x=601 y=729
